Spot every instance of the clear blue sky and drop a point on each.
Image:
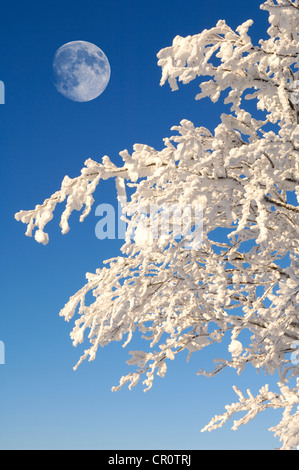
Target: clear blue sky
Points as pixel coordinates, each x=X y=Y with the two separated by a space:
x=44 y=404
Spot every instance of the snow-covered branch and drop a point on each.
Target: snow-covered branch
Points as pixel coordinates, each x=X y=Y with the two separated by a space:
x=287 y=399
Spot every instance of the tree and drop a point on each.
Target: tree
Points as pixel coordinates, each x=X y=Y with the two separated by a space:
x=245 y=175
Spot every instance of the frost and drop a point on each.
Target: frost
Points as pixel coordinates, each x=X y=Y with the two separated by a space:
x=41 y=237
x=235 y=348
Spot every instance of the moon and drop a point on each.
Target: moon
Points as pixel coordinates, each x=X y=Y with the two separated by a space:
x=81 y=71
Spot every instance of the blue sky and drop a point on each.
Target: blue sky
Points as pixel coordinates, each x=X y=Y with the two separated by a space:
x=44 y=404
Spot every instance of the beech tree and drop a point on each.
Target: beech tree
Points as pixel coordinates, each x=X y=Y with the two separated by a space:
x=245 y=176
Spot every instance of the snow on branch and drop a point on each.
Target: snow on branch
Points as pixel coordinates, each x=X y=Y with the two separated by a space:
x=287 y=399
x=234 y=63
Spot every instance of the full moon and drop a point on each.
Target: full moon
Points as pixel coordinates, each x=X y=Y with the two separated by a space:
x=81 y=71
